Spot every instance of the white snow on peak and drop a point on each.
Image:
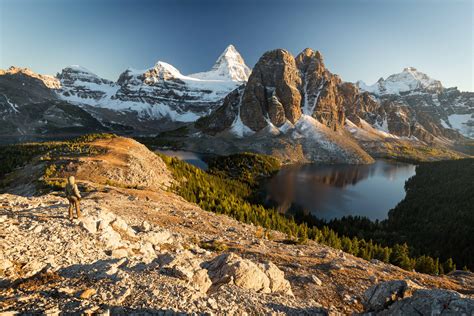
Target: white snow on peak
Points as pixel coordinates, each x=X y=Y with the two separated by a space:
x=230 y=66
x=166 y=71
x=78 y=68
x=160 y=91
x=409 y=80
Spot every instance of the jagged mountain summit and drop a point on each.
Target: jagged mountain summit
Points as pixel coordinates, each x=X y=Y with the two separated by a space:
x=424 y=100
x=286 y=102
x=298 y=101
x=49 y=81
x=283 y=88
x=229 y=66
x=295 y=102
x=160 y=92
x=410 y=80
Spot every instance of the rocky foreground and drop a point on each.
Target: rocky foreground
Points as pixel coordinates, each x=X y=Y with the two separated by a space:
x=141 y=249
x=172 y=257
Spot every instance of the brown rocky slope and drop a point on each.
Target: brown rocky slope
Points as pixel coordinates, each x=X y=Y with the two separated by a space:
x=143 y=249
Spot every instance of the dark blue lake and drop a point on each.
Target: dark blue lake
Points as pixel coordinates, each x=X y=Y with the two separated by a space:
x=333 y=191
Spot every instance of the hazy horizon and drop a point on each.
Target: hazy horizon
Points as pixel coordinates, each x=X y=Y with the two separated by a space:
x=359 y=39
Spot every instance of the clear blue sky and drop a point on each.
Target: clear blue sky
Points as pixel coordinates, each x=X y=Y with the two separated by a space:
x=359 y=39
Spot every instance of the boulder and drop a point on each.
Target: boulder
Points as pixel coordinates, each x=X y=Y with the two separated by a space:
x=158 y=237
x=89 y=224
x=201 y=280
x=431 y=302
x=105 y=218
x=120 y=253
x=111 y=238
x=186 y=266
x=33 y=267
x=232 y=269
x=315 y=280
x=86 y=294
x=5 y=264
x=147 y=251
x=278 y=283
x=121 y=226
x=381 y=295
x=145 y=227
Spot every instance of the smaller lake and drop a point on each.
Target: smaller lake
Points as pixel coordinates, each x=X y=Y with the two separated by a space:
x=333 y=191
x=190 y=157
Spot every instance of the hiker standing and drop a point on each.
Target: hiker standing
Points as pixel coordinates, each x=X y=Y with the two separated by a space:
x=74 y=196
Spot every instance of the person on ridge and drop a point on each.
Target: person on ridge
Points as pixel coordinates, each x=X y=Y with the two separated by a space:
x=74 y=196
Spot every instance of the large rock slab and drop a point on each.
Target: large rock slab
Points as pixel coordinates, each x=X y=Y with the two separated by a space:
x=232 y=269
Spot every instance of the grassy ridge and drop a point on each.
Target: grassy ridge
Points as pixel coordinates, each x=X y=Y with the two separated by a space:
x=18 y=155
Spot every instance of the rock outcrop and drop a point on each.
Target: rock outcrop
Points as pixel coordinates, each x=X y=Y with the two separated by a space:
x=321 y=97
x=102 y=259
x=264 y=278
x=402 y=297
x=272 y=92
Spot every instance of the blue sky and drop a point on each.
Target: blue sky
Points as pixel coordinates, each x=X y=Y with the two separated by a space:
x=359 y=39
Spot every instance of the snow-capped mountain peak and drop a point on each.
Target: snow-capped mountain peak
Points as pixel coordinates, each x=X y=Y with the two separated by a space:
x=161 y=91
x=409 y=80
x=229 y=66
x=76 y=74
x=163 y=71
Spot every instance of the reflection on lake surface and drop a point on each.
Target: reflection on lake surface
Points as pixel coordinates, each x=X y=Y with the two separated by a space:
x=333 y=191
x=190 y=157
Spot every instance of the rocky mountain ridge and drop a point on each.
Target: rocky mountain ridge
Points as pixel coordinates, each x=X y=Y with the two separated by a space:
x=160 y=92
x=299 y=100
x=287 y=101
x=441 y=111
x=28 y=106
x=283 y=87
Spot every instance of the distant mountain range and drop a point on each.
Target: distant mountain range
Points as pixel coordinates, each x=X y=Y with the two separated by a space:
x=284 y=101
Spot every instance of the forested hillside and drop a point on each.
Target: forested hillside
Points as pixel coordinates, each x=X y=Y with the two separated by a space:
x=436 y=217
x=437 y=214
x=224 y=192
